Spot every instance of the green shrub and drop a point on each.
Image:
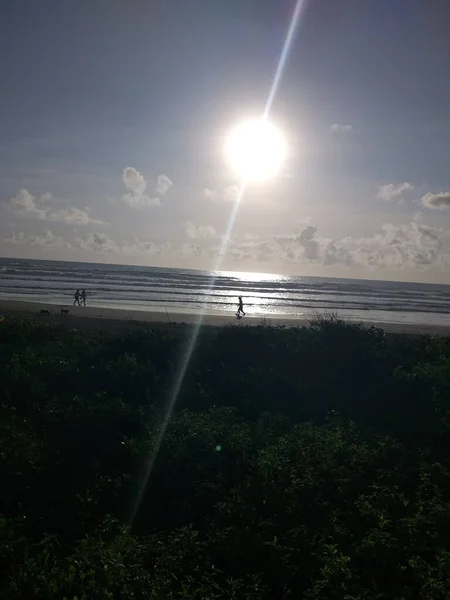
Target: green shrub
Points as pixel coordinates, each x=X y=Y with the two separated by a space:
x=294 y=463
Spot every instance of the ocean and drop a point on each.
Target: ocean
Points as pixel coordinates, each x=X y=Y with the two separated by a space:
x=264 y=295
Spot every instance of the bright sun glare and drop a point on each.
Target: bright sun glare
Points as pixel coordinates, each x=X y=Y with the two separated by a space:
x=256 y=150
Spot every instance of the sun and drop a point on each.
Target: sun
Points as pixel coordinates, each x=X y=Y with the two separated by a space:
x=256 y=150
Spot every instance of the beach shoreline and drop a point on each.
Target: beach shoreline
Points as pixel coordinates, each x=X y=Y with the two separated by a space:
x=106 y=318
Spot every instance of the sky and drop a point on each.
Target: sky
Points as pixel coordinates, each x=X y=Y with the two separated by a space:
x=114 y=116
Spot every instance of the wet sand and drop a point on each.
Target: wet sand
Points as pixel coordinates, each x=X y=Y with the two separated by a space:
x=105 y=318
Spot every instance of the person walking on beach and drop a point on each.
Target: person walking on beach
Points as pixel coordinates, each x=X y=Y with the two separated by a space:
x=240 y=308
x=83 y=297
x=77 y=298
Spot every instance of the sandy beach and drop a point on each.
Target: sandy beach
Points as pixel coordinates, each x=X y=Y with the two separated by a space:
x=95 y=317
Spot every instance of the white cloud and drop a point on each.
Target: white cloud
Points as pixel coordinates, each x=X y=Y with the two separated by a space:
x=23 y=200
x=439 y=201
x=101 y=243
x=25 y=204
x=134 y=181
x=136 y=184
x=341 y=128
x=231 y=193
x=163 y=184
x=145 y=247
x=190 y=250
x=141 y=201
x=210 y=194
x=73 y=216
x=196 y=232
x=98 y=242
x=411 y=245
x=390 y=191
x=47 y=239
x=94 y=243
x=48 y=199
x=310 y=246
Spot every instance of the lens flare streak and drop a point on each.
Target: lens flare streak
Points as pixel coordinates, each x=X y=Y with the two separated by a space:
x=181 y=372
x=190 y=345
x=284 y=55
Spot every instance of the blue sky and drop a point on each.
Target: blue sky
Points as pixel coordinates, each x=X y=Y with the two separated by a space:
x=113 y=115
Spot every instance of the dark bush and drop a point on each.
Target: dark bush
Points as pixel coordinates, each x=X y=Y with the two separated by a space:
x=293 y=463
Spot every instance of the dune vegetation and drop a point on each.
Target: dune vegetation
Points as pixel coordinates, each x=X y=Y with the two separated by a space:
x=306 y=463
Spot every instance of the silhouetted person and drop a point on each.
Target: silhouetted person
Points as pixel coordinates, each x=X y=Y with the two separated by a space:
x=240 y=308
x=83 y=297
x=76 y=298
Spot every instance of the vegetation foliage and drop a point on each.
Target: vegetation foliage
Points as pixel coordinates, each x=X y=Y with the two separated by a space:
x=297 y=463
